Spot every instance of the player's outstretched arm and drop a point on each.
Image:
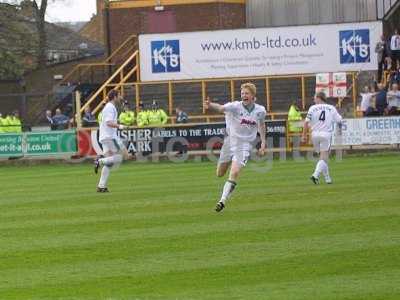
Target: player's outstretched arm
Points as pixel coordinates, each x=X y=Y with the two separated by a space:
x=116 y=125
x=208 y=105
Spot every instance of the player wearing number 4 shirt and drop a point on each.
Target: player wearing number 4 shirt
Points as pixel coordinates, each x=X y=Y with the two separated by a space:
x=321 y=118
x=243 y=120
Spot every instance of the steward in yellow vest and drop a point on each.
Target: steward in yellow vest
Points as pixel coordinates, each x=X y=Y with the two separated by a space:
x=157 y=116
x=14 y=123
x=2 y=124
x=127 y=117
x=295 y=118
x=142 y=118
x=99 y=117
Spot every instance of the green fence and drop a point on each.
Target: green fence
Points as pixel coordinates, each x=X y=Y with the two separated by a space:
x=38 y=143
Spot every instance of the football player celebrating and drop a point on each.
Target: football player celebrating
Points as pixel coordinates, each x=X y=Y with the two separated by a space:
x=243 y=120
x=321 y=118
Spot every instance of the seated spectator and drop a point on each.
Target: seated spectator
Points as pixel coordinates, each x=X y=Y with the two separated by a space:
x=142 y=116
x=393 y=97
x=157 y=116
x=127 y=117
x=88 y=120
x=381 y=100
x=60 y=121
x=181 y=116
x=367 y=105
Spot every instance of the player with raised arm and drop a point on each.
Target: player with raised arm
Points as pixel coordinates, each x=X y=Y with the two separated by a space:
x=321 y=118
x=243 y=120
x=114 y=150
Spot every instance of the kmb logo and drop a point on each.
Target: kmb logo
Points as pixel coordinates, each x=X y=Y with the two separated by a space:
x=354 y=46
x=165 y=56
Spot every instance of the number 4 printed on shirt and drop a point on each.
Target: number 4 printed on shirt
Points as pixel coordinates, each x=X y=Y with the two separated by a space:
x=322 y=116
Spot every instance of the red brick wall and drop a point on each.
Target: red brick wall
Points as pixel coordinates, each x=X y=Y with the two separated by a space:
x=125 y=22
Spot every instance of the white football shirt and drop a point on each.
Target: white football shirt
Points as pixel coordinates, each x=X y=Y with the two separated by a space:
x=109 y=113
x=395 y=43
x=322 y=118
x=365 y=101
x=242 y=123
x=393 y=98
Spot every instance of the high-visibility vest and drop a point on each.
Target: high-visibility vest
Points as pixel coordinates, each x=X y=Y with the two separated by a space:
x=13 y=124
x=294 y=120
x=163 y=116
x=157 y=117
x=142 y=119
x=127 y=118
x=16 y=124
x=3 y=129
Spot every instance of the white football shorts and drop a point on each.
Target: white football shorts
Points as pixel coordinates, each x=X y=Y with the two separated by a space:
x=234 y=151
x=321 y=141
x=112 y=146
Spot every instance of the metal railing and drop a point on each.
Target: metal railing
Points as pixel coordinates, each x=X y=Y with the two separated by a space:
x=99 y=97
x=231 y=81
x=129 y=68
x=77 y=73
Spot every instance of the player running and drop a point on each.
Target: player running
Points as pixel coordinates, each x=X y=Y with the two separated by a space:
x=243 y=120
x=321 y=118
x=114 y=150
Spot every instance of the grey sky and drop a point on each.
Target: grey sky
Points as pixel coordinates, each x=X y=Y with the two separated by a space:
x=67 y=10
x=70 y=10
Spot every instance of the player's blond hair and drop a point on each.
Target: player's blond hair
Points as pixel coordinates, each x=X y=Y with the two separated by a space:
x=249 y=86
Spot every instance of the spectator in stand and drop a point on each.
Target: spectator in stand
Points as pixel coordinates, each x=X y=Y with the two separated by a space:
x=60 y=121
x=49 y=119
x=382 y=52
x=395 y=49
x=367 y=105
x=181 y=116
x=88 y=120
x=395 y=77
x=142 y=116
x=381 y=100
x=127 y=117
x=157 y=116
x=393 y=97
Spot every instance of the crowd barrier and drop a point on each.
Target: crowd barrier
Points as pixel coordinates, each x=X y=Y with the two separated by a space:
x=51 y=143
x=194 y=137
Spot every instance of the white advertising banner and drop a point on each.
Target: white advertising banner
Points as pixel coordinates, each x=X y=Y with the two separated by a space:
x=369 y=131
x=259 y=52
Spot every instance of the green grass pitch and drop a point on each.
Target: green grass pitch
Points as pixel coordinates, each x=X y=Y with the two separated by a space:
x=156 y=236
